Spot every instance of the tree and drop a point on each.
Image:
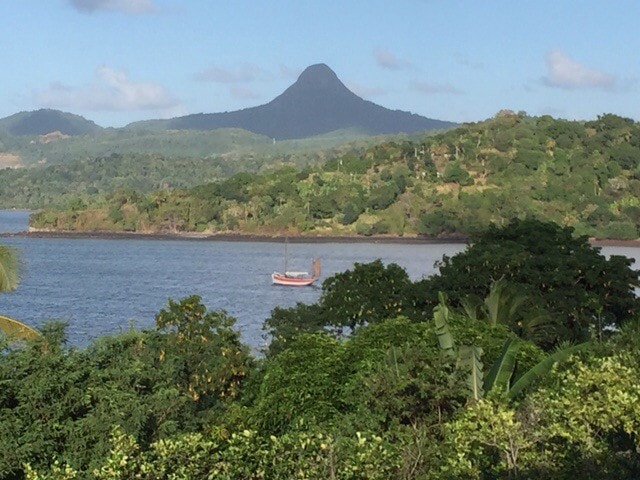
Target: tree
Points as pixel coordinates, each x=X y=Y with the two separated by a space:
x=582 y=291
x=369 y=293
x=9 y=279
x=453 y=172
x=582 y=424
x=208 y=357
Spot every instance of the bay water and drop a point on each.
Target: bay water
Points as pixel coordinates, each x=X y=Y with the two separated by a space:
x=103 y=286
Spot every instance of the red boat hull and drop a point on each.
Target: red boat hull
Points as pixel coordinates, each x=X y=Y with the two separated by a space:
x=288 y=281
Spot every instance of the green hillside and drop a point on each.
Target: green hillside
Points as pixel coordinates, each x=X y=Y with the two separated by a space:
x=35 y=151
x=43 y=121
x=581 y=174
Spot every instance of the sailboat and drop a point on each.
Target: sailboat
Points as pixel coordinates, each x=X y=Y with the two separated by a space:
x=296 y=279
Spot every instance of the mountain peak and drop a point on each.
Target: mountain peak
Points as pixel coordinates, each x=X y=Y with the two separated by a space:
x=317 y=103
x=318 y=75
x=316 y=80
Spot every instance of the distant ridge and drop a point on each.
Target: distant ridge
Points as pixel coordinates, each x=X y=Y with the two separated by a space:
x=44 y=121
x=317 y=103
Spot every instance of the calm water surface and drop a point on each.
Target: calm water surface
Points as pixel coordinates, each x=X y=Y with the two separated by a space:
x=103 y=286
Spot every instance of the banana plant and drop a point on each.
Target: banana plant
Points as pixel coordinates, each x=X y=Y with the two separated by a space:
x=561 y=354
x=500 y=376
x=467 y=357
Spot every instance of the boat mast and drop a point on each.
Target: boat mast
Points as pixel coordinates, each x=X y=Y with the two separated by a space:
x=316 y=269
x=286 y=255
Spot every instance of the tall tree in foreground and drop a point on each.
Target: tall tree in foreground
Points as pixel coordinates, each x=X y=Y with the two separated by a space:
x=582 y=291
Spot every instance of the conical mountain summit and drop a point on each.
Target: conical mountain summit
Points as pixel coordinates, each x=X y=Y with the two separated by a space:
x=317 y=103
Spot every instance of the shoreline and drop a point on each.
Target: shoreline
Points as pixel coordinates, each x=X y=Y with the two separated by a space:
x=249 y=237
x=227 y=237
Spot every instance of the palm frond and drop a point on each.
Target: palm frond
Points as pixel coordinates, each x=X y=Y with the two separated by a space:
x=471 y=306
x=17 y=330
x=503 y=302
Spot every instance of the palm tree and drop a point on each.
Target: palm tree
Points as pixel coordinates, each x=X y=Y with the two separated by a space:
x=9 y=279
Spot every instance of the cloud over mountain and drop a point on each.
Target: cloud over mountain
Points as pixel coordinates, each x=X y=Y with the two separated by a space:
x=564 y=72
x=111 y=90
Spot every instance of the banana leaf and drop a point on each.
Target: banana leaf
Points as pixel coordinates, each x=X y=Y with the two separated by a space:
x=561 y=354
x=469 y=359
x=501 y=372
x=445 y=337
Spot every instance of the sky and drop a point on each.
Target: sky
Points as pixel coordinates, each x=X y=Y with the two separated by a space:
x=120 y=61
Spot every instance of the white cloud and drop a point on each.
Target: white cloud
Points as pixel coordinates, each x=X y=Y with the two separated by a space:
x=387 y=59
x=436 y=88
x=111 y=90
x=243 y=74
x=125 y=6
x=564 y=72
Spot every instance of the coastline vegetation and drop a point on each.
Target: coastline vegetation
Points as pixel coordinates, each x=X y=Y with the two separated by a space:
x=519 y=359
x=585 y=175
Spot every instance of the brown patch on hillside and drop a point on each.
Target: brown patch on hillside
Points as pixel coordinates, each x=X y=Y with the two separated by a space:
x=10 y=160
x=50 y=137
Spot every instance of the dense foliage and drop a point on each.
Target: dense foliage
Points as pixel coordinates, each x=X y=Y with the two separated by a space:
x=234 y=145
x=90 y=167
x=580 y=174
x=565 y=289
x=58 y=402
x=369 y=383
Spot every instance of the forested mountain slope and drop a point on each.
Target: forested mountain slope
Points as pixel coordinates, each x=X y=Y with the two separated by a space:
x=190 y=159
x=581 y=174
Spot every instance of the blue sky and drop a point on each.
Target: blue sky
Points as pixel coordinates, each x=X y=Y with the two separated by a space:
x=118 y=61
